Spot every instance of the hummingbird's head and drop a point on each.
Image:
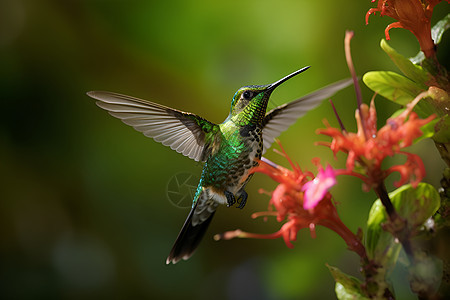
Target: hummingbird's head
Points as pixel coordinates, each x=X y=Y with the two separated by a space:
x=247 y=94
x=252 y=100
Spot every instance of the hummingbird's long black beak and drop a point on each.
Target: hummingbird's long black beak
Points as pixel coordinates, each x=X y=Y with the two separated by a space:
x=275 y=84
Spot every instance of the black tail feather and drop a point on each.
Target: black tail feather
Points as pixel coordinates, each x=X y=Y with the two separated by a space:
x=188 y=239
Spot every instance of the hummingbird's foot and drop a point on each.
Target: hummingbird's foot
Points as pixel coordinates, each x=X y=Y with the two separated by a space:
x=242 y=199
x=230 y=198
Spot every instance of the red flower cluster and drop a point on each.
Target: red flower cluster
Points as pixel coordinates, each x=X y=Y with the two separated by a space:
x=288 y=199
x=413 y=15
x=369 y=146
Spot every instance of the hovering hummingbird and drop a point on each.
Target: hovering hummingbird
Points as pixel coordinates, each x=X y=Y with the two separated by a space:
x=229 y=150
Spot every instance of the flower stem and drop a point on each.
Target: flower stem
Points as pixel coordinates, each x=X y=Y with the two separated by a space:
x=381 y=192
x=337 y=116
x=348 y=56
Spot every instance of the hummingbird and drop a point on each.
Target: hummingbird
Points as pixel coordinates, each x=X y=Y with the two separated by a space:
x=228 y=150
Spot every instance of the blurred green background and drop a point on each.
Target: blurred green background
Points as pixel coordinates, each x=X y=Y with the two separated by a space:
x=84 y=211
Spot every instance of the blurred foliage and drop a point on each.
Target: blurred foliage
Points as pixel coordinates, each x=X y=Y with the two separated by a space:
x=84 y=211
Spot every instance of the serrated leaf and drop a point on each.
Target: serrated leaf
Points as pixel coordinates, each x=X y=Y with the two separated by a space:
x=392 y=86
x=415 y=205
x=347 y=287
x=414 y=72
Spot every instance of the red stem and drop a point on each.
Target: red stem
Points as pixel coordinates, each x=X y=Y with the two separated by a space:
x=352 y=241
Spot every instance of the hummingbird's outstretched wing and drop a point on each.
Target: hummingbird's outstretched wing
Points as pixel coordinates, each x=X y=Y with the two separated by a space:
x=280 y=118
x=184 y=132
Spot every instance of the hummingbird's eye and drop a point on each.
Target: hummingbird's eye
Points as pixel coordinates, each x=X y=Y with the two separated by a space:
x=247 y=95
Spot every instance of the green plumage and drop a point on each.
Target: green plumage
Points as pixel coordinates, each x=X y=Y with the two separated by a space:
x=229 y=150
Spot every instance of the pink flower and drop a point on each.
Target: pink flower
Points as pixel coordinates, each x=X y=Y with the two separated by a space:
x=288 y=202
x=315 y=190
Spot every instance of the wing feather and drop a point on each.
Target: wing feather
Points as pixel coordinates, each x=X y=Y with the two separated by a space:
x=279 y=119
x=181 y=131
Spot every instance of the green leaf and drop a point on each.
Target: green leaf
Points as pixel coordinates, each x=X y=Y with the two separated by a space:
x=347 y=287
x=415 y=205
x=414 y=72
x=380 y=244
x=392 y=86
x=427 y=130
x=438 y=30
x=418 y=58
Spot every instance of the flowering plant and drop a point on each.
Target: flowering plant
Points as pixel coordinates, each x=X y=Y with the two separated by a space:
x=397 y=219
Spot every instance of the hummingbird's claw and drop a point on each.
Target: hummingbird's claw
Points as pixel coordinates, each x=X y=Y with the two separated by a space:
x=242 y=200
x=230 y=198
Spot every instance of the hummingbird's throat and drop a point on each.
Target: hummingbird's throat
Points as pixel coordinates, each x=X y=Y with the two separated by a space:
x=255 y=111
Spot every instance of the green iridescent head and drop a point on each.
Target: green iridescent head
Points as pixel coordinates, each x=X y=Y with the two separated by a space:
x=254 y=98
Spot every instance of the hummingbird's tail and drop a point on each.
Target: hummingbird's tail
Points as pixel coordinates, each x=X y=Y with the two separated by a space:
x=189 y=237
